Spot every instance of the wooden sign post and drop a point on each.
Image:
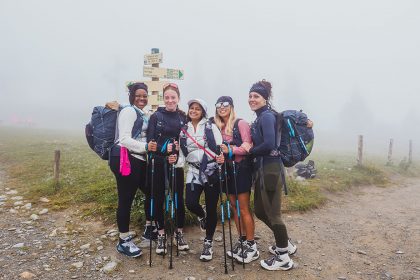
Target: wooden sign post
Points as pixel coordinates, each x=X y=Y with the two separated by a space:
x=56 y=168
x=360 y=151
x=391 y=142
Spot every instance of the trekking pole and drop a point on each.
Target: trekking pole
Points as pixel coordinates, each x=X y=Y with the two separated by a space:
x=228 y=214
x=238 y=212
x=222 y=215
x=167 y=196
x=151 y=206
x=171 y=228
x=175 y=199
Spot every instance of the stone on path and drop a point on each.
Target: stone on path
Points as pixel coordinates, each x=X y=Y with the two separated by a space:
x=16 y=198
x=34 y=217
x=27 y=206
x=110 y=267
x=18 y=245
x=12 y=192
x=361 y=252
x=27 y=275
x=85 y=246
x=77 y=265
x=43 y=211
x=13 y=211
x=399 y=252
x=44 y=199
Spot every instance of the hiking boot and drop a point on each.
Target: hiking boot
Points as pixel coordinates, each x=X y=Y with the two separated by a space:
x=127 y=247
x=278 y=262
x=207 y=254
x=291 y=248
x=203 y=221
x=249 y=254
x=161 y=244
x=150 y=232
x=182 y=244
x=235 y=249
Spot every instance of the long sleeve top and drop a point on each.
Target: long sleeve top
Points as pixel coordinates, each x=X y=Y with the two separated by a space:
x=168 y=129
x=195 y=154
x=245 y=132
x=125 y=123
x=263 y=133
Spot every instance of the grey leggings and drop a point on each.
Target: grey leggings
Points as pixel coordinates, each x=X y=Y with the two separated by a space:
x=267 y=199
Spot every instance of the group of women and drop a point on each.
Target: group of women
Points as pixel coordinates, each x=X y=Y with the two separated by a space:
x=168 y=140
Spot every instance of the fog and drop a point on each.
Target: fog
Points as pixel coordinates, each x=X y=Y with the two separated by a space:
x=352 y=66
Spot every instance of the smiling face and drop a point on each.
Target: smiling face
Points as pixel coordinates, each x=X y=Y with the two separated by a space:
x=171 y=100
x=256 y=101
x=140 y=98
x=224 y=112
x=195 y=112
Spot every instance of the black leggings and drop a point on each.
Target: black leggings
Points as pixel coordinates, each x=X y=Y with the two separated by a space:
x=159 y=192
x=127 y=187
x=193 y=204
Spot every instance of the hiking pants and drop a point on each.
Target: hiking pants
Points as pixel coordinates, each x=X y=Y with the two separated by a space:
x=267 y=198
x=211 y=194
x=127 y=188
x=159 y=192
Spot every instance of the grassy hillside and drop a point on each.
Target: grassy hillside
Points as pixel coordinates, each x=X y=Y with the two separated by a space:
x=87 y=183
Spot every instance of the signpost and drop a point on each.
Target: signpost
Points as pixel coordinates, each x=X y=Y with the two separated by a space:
x=154 y=58
x=165 y=73
x=155 y=86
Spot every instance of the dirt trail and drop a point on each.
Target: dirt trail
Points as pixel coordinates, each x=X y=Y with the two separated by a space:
x=367 y=233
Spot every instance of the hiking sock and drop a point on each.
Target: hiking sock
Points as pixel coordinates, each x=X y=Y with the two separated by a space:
x=124 y=235
x=281 y=251
x=250 y=242
x=148 y=223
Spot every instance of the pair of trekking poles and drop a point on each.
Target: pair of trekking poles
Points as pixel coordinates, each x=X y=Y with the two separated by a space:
x=171 y=206
x=238 y=210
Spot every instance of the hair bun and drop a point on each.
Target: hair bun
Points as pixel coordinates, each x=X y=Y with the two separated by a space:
x=267 y=85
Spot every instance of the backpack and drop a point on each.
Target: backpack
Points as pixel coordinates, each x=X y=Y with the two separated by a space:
x=296 y=139
x=100 y=131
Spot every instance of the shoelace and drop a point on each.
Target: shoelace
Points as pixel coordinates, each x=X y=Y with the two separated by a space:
x=180 y=237
x=206 y=249
x=271 y=260
x=132 y=246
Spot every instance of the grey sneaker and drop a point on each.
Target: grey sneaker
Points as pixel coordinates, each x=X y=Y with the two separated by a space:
x=249 y=254
x=278 y=262
x=182 y=244
x=161 y=244
x=207 y=254
x=291 y=248
x=128 y=248
x=235 y=249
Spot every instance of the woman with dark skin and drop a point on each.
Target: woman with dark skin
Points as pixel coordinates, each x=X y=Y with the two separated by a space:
x=131 y=134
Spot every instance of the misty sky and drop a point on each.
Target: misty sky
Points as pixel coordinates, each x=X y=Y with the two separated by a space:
x=353 y=66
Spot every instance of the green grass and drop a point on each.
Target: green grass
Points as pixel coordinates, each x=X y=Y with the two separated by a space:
x=86 y=182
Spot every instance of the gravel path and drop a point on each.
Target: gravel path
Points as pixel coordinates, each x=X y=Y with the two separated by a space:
x=367 y=233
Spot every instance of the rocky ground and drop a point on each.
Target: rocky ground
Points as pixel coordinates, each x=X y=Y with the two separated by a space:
x=367 y=233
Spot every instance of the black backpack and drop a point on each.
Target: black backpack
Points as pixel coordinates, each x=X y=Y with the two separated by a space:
x=296 y=139
x=100 y=131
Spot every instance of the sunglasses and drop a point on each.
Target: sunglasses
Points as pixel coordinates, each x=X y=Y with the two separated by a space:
x=222 y=104
x=165 y=86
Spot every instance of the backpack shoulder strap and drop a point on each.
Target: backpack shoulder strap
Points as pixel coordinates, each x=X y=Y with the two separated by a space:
x=211 y=141
x=183 y=140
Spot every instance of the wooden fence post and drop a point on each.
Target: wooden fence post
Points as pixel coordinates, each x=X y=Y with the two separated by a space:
x=391 y=142
x=360 y=151
x=56 y=168
x=410 y=151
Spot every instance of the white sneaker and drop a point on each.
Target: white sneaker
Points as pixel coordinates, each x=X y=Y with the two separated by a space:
x=291 y=248
x=161 y=244
x=249 y=254
x=182 y=244
x=278 y=262
x=235 y=249
x=207 y=254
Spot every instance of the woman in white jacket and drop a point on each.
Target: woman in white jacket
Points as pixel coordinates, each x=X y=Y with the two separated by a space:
x=131 y=134
x=199 y=142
